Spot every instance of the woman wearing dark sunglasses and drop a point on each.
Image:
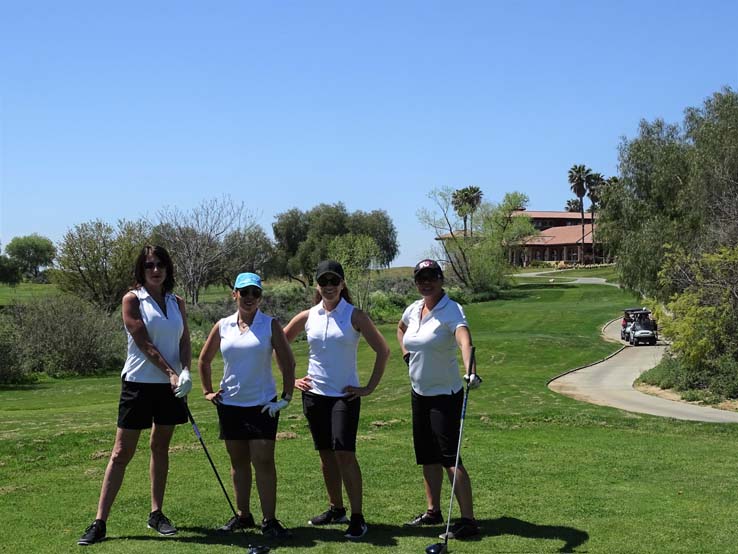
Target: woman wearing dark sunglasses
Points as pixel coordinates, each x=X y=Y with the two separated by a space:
x=331 y=393
x=248 y=409
x=429 y=333
x=155 y=380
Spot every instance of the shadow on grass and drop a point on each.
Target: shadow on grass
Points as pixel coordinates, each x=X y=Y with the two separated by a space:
x=308 y=536
x=572 y=537
x=380 y=535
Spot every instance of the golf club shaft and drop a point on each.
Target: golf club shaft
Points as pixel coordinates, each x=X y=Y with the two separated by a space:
x=458 y=446
x=199 y=437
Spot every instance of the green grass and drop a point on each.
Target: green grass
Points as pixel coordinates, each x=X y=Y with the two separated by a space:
x=23 y=292
x=550 y=474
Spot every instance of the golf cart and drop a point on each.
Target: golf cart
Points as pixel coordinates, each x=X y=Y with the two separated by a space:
x=641 y=329
x=627 y=322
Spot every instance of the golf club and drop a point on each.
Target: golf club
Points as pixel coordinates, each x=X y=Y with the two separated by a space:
x=442 y=547
x=252 y=549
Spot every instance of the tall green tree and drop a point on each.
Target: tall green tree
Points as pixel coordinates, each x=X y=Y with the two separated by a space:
x=357 y=254
x=96 y=260
x=578 y=177
x=303 y=238
x=10 y=273
x=31 y=253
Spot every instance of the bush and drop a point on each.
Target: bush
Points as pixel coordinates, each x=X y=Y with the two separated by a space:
x=10 y=368
x=708 y=382
x=283 y=301
x=387 y=307
x=64 y=335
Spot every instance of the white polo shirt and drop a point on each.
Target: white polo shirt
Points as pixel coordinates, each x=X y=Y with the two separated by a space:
x=333 y=343
x=432 y=346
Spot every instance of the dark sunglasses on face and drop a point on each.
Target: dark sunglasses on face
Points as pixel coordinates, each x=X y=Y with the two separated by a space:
x=427 y=278
x=332 y=281
x=152 y=265
x=253 y=291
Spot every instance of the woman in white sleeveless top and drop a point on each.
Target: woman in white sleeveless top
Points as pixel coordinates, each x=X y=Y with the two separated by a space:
x=155 y=379
x=331 y=390
x=248 y=409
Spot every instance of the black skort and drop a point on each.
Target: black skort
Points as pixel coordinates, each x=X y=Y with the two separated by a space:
x=142 y=404
x=247 y=423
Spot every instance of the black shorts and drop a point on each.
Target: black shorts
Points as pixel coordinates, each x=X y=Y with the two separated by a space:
x=436 y=423
x=333 y=421
x=142 y=404
x=247 y=423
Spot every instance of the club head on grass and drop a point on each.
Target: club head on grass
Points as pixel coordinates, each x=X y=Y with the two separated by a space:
x=257 y=549
x=438 y=548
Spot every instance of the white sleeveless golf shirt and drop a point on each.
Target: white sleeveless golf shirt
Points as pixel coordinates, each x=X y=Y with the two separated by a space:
x=165 y=331
x=333 y=344
x=247 y=376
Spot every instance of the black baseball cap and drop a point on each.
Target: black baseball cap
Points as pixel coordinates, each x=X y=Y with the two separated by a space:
x=430 y=266
x=329 y=266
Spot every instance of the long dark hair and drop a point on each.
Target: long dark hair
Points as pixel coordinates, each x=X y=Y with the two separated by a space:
x=161 y=253
x=345 y=294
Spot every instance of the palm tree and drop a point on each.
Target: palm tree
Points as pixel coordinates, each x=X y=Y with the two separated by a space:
x=458 y=201
x=474 y=199
x=594 y=189
x=579 y=175
x=465 y=202
x=573 y=205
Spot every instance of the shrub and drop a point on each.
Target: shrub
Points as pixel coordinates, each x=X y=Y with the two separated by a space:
x=283 y=301
x=387 y=307
x=64 y=335
x=10 y=368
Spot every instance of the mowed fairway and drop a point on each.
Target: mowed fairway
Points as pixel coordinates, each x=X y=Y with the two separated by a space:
x=550 y=474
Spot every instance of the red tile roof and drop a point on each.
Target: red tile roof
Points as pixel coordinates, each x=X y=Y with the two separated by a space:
x=561 y=236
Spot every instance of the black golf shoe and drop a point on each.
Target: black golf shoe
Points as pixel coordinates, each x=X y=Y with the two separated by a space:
x=330 y=516
x=463 y=528
x=357 y=527
x=273 y=529
x=426 y=518
x=237 y=523
x=161 y=524
x=94 y=533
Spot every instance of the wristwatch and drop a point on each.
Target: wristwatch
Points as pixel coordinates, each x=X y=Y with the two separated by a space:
x=287 y=397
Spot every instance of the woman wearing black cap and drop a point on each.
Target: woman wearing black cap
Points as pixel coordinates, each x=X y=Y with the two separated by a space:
x=331 y=393
x=429 y=333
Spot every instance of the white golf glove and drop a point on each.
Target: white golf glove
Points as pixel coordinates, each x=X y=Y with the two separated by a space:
x=274 y=407
x=474 y=380
x=184 y=384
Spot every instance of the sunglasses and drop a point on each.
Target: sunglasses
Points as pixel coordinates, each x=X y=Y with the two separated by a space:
x=157 y=265
x=332 y=281
x=253 y=291
x=427 y=277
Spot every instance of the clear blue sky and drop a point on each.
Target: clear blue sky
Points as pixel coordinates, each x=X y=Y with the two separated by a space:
x=115 y=110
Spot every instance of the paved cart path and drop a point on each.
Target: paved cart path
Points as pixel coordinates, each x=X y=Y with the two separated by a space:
x=610 y=383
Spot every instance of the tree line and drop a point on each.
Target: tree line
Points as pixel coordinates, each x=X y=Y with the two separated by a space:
x=671 y=218
x=209 y=245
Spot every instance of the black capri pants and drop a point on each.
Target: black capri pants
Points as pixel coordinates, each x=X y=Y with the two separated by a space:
x=436 y=423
